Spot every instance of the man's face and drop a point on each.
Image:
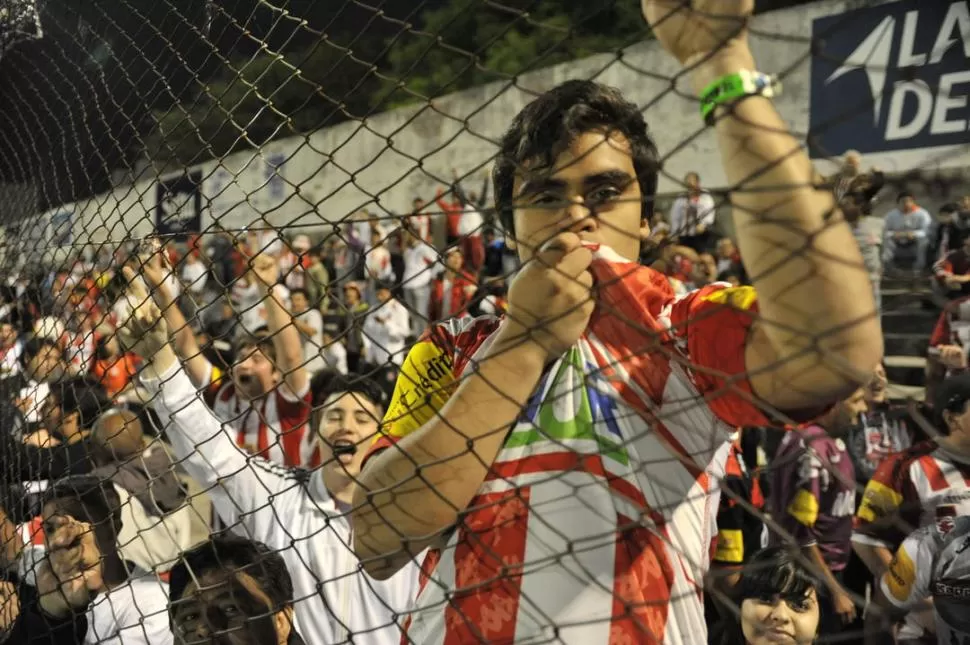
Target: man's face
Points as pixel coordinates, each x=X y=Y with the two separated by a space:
x=383 y=294
x=454 y=261
x=417 y=204
x=591 y=190
x=725 y=248
x=965 y=203
x=705 y=269
x=253 y=374
x=852 y=164
x=692 y=181
x=876 y=389
x=228 y=608
x=847 y=412
x=51 y=415
x=906 y=204
x=348 y=423
x=299 y=302
x=8 y=334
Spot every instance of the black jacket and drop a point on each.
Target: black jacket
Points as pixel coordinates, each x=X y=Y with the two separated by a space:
x=34 y=627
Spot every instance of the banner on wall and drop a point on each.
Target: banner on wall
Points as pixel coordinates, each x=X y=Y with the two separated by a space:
x=179 y=206
x=891 y=77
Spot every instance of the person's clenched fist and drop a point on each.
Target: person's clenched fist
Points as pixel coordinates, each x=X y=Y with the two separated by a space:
x=143 y=329
x=550 y=300
x=695 y=29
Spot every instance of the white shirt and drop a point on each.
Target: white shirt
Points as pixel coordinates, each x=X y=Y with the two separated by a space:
x=312 y=345
x=194 y=276
x=385 y=330
x=335 y=356
x=135 y=613
x=687 y=213
x=419 y=263
x=292 y=512
x=10 y=359
x=471 y=222
x=34 y=394
x=378 y=264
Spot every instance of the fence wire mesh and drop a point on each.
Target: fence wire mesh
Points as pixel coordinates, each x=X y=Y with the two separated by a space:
x=448 y=321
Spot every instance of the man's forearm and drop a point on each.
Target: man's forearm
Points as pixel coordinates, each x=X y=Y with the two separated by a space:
x=876 y=558
x=286 y=341
x=419 y=487
x=814 y=555
x=814 y=294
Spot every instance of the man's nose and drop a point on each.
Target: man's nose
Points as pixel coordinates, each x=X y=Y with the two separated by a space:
x=579 y=216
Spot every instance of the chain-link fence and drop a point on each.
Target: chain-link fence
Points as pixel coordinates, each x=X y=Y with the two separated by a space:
x=446 y=321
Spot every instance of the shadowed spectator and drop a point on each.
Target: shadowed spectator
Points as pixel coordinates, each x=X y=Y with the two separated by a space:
x=232 y=588
x=84 y=572
x=354 y=315
x=693 y=214
x=865 y=229
x=952 y=271
x=850 y=178
x=386 y=329
x=812 y=497
x=906 y=233
x=420 y=260
x=452 y=290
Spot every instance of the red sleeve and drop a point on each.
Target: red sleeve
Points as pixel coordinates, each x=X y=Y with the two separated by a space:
x=294 y=416
x=941 y=332
x=890 y=507
x=714 y=322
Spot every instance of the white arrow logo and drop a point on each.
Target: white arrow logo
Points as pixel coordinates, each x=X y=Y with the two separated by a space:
x=871 y=55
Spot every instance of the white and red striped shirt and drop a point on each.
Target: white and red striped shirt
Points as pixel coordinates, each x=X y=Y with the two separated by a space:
x=595 y=521
x=272 y=427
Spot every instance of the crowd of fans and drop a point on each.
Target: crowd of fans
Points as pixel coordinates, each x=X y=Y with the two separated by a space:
x=260 y=437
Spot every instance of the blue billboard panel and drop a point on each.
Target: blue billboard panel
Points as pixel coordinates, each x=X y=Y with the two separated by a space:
x=891 y=77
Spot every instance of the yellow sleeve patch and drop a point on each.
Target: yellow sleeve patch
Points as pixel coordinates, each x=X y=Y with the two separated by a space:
x=900 y=576
x=423 y=387
x=730 y=546
x=878 y=501
x=804 y=508
x=737 y=297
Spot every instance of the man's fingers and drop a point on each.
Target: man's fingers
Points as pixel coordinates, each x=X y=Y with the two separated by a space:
x=575 y=263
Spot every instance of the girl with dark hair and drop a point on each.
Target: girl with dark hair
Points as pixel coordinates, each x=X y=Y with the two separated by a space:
x=777 y=598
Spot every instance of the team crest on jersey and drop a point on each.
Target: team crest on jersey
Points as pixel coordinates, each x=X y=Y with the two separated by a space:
x=946 y=519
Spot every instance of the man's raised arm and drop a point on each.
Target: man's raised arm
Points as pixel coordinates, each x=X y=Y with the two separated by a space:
x=819 y=336
x=239 y=485
x=285 y=335
x=195 y=364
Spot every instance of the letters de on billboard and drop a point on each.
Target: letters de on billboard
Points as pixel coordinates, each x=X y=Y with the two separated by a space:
x=891 y=77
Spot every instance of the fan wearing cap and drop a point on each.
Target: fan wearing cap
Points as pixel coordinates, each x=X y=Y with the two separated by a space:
x=910 y=487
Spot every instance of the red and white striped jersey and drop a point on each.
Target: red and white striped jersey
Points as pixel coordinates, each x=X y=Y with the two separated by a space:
x=595 y=521
x=909 y=486
x=272 y=427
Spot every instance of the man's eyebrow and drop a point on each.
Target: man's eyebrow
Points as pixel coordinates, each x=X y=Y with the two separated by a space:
x=540 y=185
x=608 y=176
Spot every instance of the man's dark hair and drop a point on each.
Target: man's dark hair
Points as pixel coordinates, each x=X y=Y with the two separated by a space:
x=81 y=394
x=302 y=292
x=233 y=553
x=903 y=194
x=325 y=384
x=261 y=339
x=549 y=124
x=949 y=208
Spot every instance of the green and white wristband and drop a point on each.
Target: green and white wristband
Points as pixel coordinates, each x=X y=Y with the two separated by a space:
x=733 y=87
